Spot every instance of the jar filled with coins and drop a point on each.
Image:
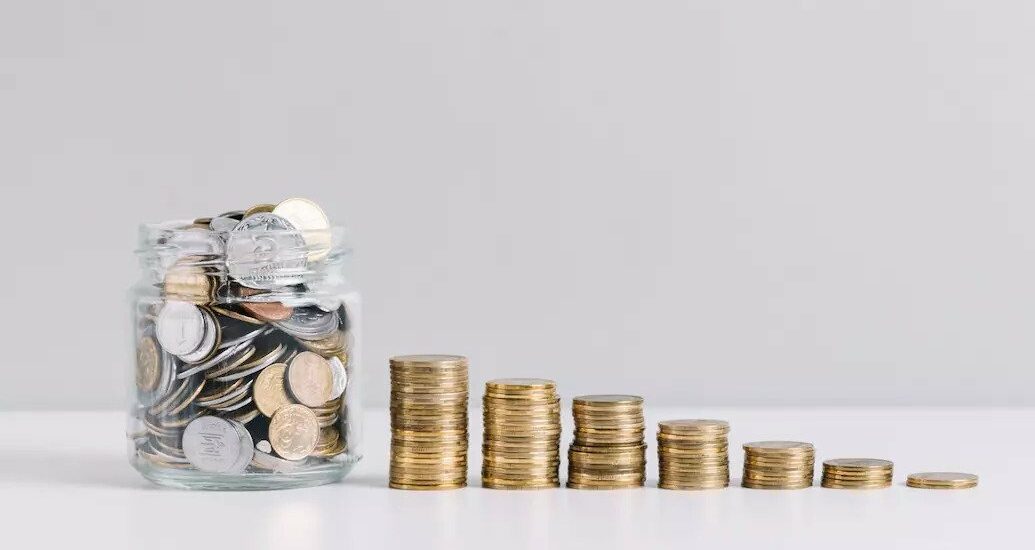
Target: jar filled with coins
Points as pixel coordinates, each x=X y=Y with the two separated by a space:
x=247 y=351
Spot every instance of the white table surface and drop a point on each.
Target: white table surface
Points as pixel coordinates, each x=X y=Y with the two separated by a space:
x=65 y=482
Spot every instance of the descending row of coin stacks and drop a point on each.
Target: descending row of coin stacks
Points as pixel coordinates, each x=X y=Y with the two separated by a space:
x=693 y=454
x=856 y=473
x=778 y=465
x=522 y=423
x=240 y=368
x=429 y=422
x=608 y=451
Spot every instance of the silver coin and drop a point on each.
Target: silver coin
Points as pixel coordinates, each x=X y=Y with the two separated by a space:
x=246 y=338
x=222 y=224
x=189 y=242
x=228 y=398
x=180 y=328
x=213 y=444
x=266 y=361
x=310 y=323
x=265 y=251
x=266 y=461
x=264 y=446
x=215 y=360
x=208 y=341
x=247 y=448
x=339 y=377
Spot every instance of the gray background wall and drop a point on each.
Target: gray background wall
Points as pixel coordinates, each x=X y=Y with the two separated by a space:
x=703 y=201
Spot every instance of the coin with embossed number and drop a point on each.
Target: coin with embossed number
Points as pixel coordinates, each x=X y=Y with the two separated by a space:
x=214 y=444
x=266 y=251
x=294 y=432
x=180 y=328
x=310 y=379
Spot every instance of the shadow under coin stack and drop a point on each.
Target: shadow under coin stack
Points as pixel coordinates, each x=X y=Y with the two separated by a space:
x=693 y=454
x=429 y=422
x=778 y=465
x=857 y=473
x=608 y=451
x=522 y=422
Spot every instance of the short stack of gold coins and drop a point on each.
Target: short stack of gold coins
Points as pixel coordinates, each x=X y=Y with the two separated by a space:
x=857 y=473
x=942 y=480
x=778 y=465
x=608 y=451
x=522 y=422
x=429 y=422
x=693 y=454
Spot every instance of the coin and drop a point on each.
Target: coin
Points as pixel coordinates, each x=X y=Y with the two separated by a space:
x=265 y=251
x=942 y=480
x=270 y=391
x=180 y=327
x=310 y=379
x=214 y=444
x=148 y=370
x=309 y=218
x=294 y=432
x=339 y=377
x=268 y=311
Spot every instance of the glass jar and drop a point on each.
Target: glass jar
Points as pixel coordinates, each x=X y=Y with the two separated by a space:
x=247 y=354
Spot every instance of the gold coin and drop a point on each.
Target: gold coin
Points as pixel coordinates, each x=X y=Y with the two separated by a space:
x=865 y=464
x=148 y=370
x=694 y=426
x=942 y=480
x=310 y=379
x=269 y=391
x=779 y=447
x=294 y=432
x=607 y=400
x=429 y=360
x=259 y=208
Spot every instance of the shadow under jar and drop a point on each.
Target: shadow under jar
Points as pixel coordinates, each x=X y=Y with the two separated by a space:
x=246 y=338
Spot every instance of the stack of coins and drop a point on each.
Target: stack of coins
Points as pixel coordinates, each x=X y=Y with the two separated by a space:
x=693 y=454
x=522 y=420
x=778 y=465
x=233 y=349
x=857 y=473
x=608 y=451
x=429 y=422
x=942 y=480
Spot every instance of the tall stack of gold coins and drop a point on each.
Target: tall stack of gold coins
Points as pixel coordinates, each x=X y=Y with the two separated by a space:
x=942 y=480
x=522 y=419
x=429 y=422
x=693 y=454
x=857 y=473
x=608 y=451
x=778 y=465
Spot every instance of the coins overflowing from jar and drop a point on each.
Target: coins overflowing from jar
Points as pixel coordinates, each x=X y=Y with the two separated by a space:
x=778 y=465
x=857 y=473
x=942 y=480
x=693 y=454
x=522 y=434
x=608 y=450
x=235 y=345
x=429 y=422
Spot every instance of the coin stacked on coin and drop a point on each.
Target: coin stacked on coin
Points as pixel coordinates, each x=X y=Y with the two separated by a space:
x=608 y=451
x=778 y=465
x=429 y=422
x=942 y=480
x=857 y=473
x=693 y=454
x=235 y=347
x=522 y=423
